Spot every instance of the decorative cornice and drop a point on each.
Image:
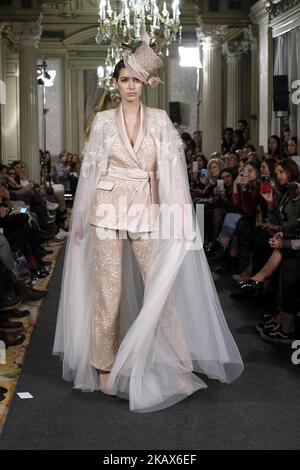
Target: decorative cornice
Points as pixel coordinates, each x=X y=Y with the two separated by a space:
x=27 y=34
x=278 y=8
x=234 y=50
x=80 y=36
x=65 y=9
x=286 y=21
x=211 y=35
x=4 y=28
x=258 y=13
x=232 y=19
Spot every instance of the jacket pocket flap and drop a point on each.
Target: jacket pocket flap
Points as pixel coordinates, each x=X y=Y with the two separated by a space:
x=108 y=185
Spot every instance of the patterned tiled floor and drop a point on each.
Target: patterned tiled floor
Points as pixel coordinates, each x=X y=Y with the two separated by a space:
x=10 y=372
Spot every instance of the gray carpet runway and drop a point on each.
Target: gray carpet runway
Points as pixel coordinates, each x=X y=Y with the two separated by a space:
x=261 y=410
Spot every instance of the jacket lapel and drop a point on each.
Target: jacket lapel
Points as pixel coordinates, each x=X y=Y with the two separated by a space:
x=120 y=122
x=143 y=128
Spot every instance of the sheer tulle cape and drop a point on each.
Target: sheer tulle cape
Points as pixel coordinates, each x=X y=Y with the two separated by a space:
x=171 y=328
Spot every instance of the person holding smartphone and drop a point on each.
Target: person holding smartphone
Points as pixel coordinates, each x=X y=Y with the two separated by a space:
x=283 y=213
x=247 y=198
x=224 y=189
x=196 y=187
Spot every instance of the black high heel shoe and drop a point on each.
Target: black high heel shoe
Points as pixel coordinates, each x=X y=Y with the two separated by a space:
x=39 y=273
x=255 y=287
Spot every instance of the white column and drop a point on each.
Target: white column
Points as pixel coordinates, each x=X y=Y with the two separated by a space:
x=238 y=83
x=254 y=98
x=2 y=27
x=265 y=82
x=210 y=38
x=2 y=92
x=260 y=17
x=28 y=36
x=234 y=78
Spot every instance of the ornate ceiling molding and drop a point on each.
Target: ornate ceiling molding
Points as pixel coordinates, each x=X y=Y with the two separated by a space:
x=211 y=35
x=285 y=19
x=27 y=34
x=82 y=36
x=278 y=8
x=67 y=9
x=234 y=50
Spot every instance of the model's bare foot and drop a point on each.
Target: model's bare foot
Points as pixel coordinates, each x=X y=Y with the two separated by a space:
x=103 y=377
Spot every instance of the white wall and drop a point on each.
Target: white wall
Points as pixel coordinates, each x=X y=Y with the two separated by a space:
x=54 y=117
x=182 y=87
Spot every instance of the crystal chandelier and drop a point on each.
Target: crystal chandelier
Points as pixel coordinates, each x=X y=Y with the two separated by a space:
x=124 y=25
x=105 y=72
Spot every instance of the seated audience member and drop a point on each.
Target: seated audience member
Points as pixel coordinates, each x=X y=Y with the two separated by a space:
x=231 y=160
x=62 y=171
x=280 y=328
x=227 y=140
x=197 y=136
x=243 y=126
x=283 y=212
x=238 y=141
x=207 y=197
x=188 y=142
x=292 y=147
x=247 y=196
x=277 y=197
x=201 y=160
x=274 y=147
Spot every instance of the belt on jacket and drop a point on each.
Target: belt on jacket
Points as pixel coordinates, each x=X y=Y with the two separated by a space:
x=148 y=188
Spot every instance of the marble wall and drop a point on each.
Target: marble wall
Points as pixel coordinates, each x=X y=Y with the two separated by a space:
x=10 y=111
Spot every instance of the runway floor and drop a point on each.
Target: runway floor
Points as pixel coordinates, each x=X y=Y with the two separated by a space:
x=259 y=411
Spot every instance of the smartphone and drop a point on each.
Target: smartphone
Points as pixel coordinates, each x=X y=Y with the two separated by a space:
x=195 y=166
x=23 y=210
x=204 y=173
x=220 y=184
x=265 y=187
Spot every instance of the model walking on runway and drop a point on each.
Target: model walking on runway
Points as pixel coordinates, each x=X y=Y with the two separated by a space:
x=139 y=313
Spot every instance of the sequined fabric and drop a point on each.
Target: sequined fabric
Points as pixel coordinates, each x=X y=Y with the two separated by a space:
x=110 y=206
x=108 y=251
